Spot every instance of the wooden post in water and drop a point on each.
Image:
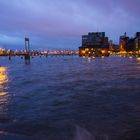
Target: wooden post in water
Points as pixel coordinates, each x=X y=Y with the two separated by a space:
x=10 y=55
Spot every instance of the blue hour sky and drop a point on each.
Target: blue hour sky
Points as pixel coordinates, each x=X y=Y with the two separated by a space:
x=60 y=23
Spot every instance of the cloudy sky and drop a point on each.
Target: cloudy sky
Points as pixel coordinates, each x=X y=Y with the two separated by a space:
x=60 y=23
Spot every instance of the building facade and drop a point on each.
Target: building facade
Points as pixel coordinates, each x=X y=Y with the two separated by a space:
x=137 y=42
x=94 y=44
x=130 y=44
x=124 y=42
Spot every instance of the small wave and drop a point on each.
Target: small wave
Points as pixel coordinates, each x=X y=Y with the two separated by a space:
x=84 y=134
x=11 y=136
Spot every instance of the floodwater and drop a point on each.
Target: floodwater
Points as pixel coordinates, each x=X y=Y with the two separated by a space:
x=70 y=98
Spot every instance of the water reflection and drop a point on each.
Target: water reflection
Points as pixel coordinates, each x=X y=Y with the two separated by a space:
x=138 y=58
x=3 y=77
x=138 y=61
x=3 y=94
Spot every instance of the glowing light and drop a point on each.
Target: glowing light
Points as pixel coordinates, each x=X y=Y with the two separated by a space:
x=3 y=95
x=103 y=51
x=138 y=58
x=89 y=59
x=3 y=77
x=83 y=51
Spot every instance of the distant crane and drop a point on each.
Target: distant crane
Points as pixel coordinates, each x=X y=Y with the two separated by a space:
x=27 y=48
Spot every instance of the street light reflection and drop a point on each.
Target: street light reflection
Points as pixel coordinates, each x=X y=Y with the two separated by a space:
x=138 y=58
x=4 y=96
x=3 y=77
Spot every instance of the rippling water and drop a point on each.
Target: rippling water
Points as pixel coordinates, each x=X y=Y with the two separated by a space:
x=71 y=98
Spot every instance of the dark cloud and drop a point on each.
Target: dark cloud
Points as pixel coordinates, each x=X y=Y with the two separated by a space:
x=49 y=22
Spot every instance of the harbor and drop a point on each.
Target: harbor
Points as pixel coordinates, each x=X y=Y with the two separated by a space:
x=69 y=70
x=95 y=44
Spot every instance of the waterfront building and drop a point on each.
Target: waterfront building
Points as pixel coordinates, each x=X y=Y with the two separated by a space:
x=113 y=47
x=5 y=52
x=130 y=44
x=137 y=42
x=2 y=51
x=124 y=42
x=94 y=44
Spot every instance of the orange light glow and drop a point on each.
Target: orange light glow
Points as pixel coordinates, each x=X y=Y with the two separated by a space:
x=83 y=52
x=138 y=58
x=3 y=93
x=103 y=51
x=3 y=77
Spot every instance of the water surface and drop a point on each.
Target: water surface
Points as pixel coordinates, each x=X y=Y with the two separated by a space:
x=71 y=98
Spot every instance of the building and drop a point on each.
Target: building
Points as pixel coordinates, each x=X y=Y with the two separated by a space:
x=130 y=44
x=113 y=47
x=94 y=44
x=137 y=42
x=124 y=42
